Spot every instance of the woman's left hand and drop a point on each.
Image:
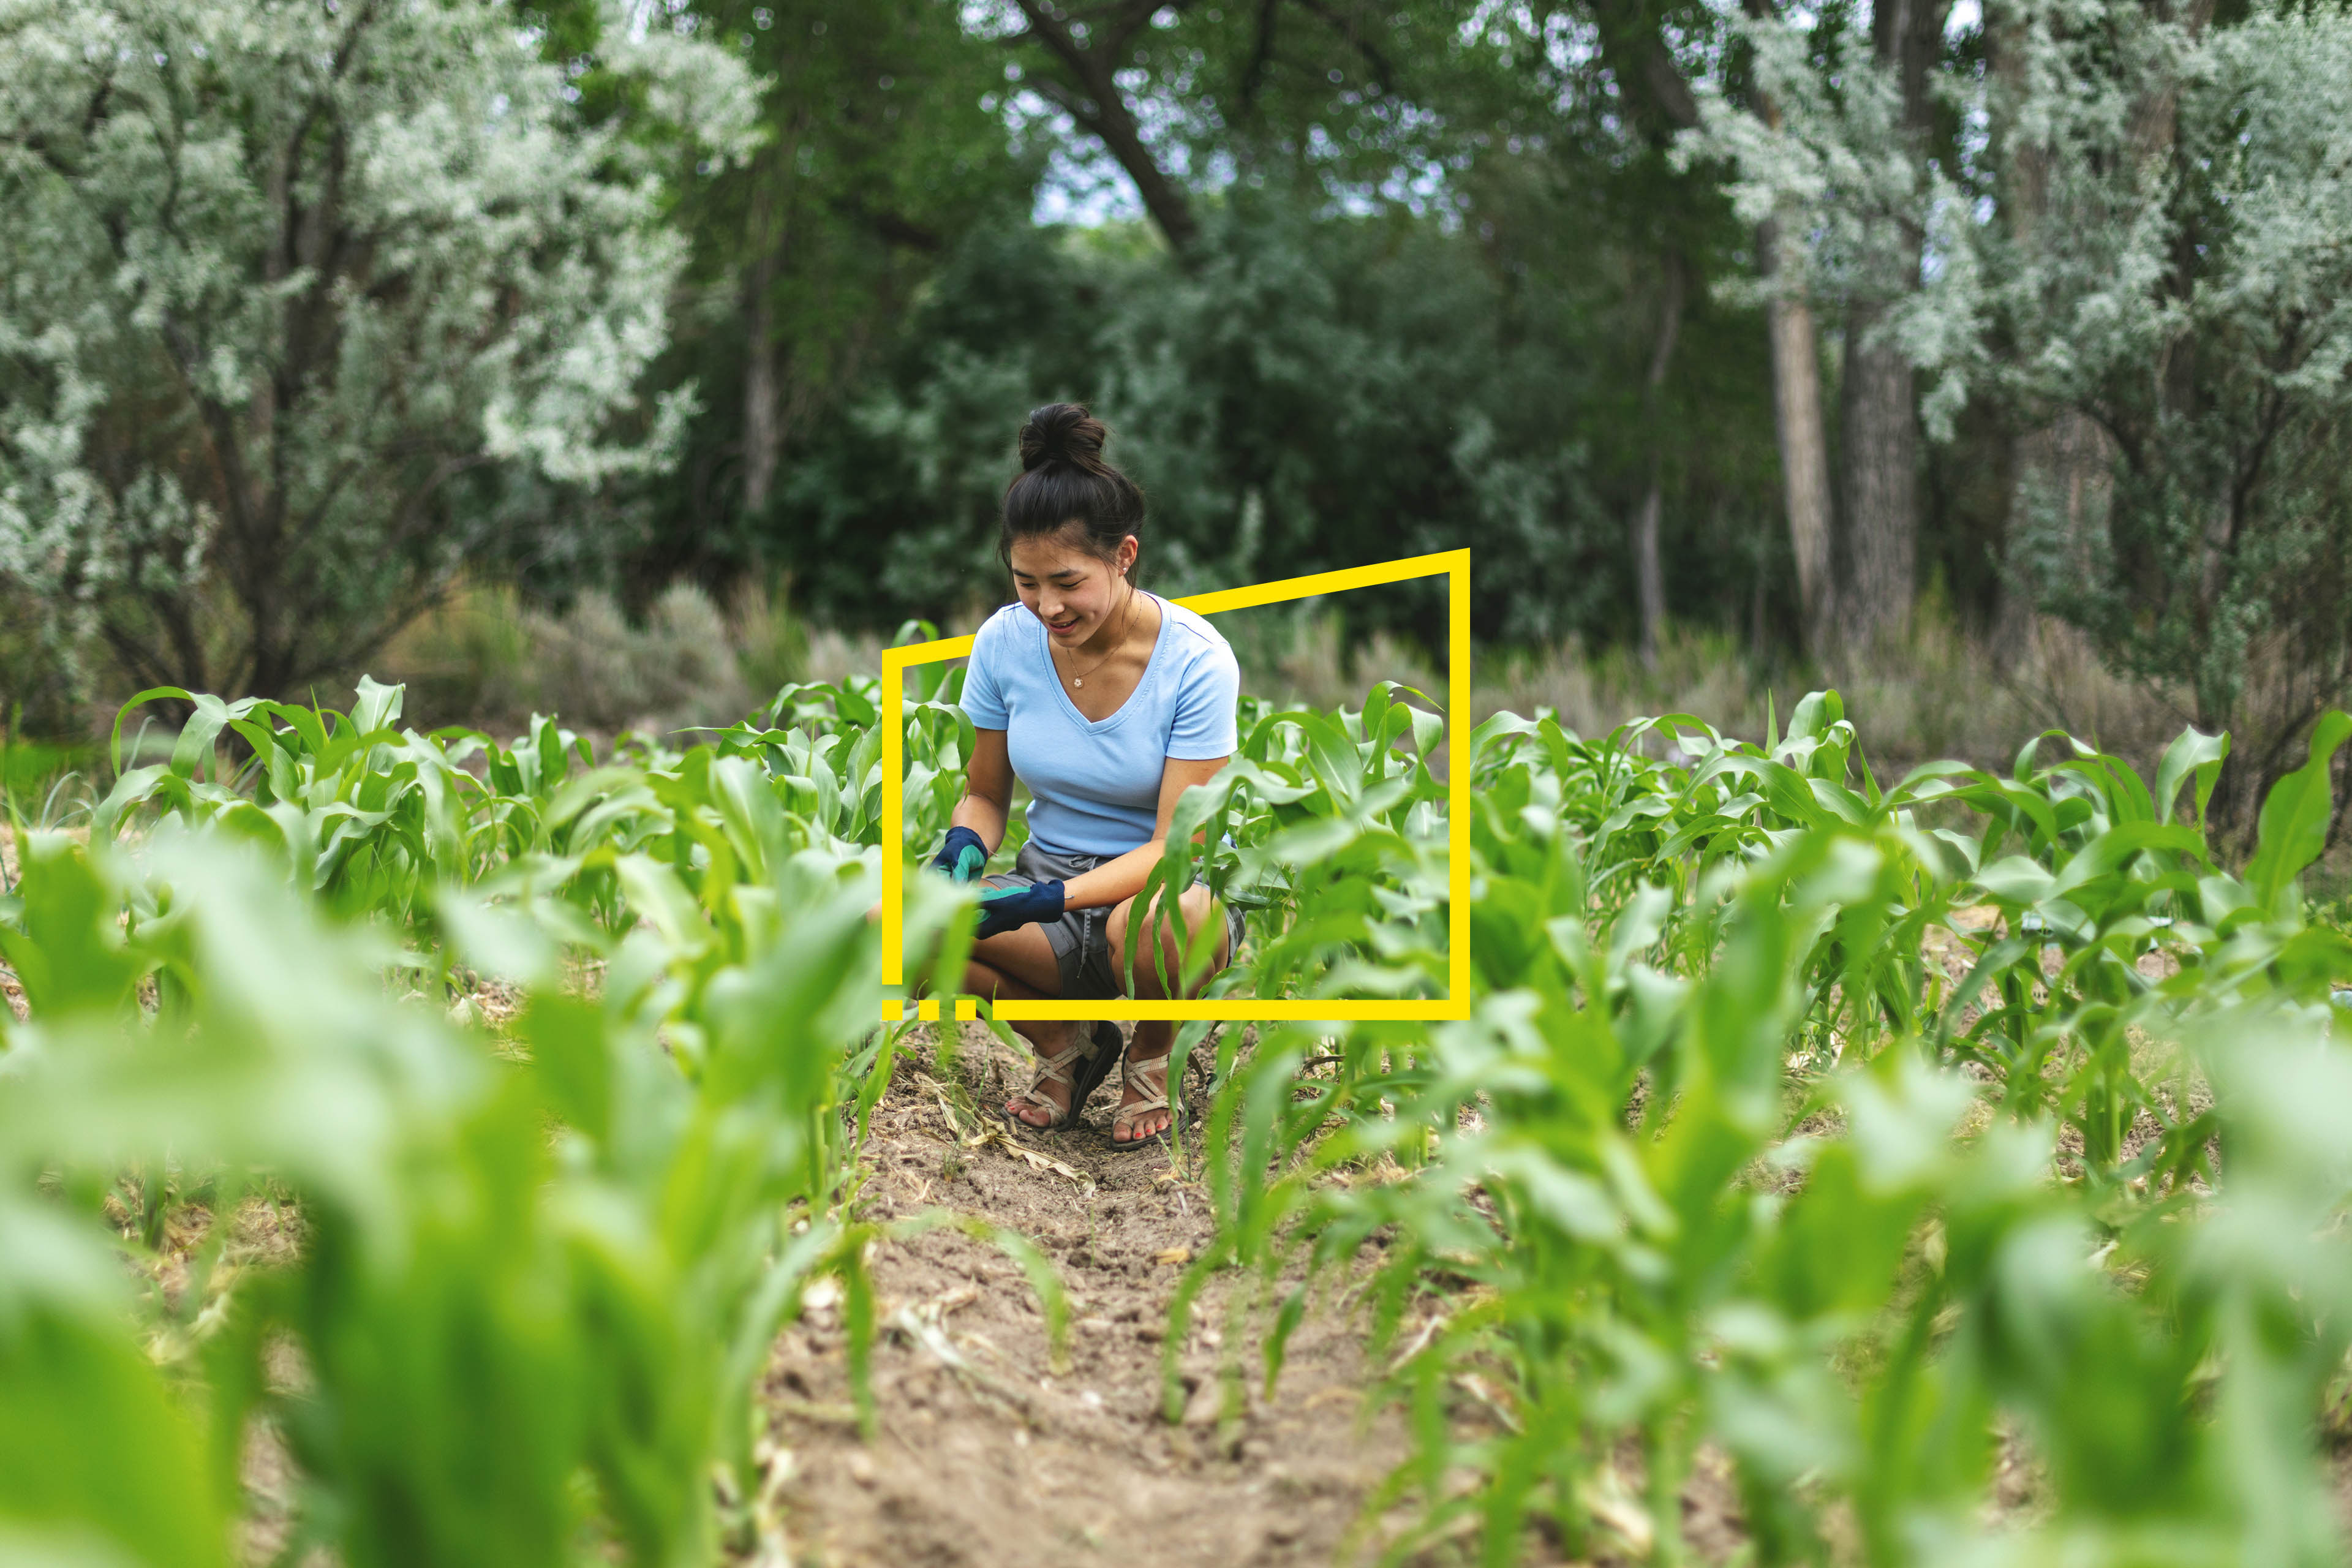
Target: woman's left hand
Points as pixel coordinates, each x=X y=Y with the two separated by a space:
x=964 y=857
x=1008 y=908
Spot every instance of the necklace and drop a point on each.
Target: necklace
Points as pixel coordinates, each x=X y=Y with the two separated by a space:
x=1080 y=682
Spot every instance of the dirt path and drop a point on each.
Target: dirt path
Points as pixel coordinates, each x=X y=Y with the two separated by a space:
x=987 y=1457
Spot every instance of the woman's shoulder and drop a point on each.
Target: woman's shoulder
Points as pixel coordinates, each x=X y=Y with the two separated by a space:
x=997 y=632
x=1202 y=658
x=1193 y=633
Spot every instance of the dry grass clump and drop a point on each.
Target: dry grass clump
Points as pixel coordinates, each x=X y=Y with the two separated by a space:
x=1938 y=692
x=485 y=657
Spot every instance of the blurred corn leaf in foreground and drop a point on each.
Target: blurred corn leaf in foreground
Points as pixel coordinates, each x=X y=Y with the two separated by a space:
x=1869 y=1134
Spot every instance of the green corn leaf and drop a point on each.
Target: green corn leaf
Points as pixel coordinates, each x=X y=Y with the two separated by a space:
x=2293 y=826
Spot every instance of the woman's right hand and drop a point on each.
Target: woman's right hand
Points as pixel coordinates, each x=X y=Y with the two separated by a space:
x=1009 y=909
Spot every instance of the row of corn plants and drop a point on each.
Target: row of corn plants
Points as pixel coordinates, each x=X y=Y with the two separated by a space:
x=535 y=1269
x=1851 y=1133
x=1865 y=1137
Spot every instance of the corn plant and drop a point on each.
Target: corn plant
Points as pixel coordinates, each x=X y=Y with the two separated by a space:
x=1727 y=1156
x=508 y=1347
x=1849 y=1128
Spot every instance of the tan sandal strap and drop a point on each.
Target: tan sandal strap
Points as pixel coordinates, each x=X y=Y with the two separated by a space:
x=1150 y=1074
x=1057 y=1066
x=1056 y=1069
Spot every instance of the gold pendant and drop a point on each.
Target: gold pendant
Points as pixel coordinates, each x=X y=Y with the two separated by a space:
x=1080 y=682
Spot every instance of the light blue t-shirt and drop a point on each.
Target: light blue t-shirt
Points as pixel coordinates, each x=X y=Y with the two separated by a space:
x=1096 y=783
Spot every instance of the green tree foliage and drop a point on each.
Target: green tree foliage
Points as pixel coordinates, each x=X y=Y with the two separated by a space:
x=1186 y=98
x=1420 y=299
x=287 y=291
x=1293 y=385
x=882 y=146
x=282 y=341
x=1569 y=114
x=1385 y=322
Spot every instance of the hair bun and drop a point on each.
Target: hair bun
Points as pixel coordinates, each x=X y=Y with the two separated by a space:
x=1063 y=433
x=1066 y=484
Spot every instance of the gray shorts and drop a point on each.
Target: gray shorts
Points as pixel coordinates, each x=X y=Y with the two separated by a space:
x=1081 y=938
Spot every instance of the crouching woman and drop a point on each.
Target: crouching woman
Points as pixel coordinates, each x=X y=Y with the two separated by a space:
x=1106 y=702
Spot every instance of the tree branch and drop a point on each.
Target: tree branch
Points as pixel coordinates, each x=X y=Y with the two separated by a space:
x=1348 y=27
x=1637 y=56
x=409 y=519
x=1261 y=54
x=1093 y=99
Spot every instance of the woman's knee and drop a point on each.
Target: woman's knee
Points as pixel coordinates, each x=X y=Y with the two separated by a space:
x=1199 y=911
x=1195 y=903
x=1023 y=957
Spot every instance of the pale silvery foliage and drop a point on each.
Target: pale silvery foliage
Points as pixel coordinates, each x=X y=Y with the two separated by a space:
x=2166 y=254
x=282 y=284
x=1835 y=161
x=2177 y=268
x=1848 y=184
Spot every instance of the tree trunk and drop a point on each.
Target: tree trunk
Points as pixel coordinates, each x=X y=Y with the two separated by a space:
x=1880 y=461
x=1803 y=441
x=2024 y=193
x=2061 y=472
x=1879 y=414
x=1798 y=427
x=2063 y=478
x=1649 y=575
x=762 y=431
x=765 y=231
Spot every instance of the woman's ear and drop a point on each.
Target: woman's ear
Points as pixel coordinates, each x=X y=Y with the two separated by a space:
x=1128 y=549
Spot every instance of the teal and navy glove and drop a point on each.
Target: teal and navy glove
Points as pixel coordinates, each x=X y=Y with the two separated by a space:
x=962 y=857
x=1008 y=908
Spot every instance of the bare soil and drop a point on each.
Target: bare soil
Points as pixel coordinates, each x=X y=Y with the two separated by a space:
x=988 y=1455
x=987 y=1452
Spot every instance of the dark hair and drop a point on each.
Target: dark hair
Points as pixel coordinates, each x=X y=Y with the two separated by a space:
x=1063 y=480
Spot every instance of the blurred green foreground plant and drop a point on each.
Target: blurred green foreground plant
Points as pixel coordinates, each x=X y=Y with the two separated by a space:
x=534 y=1289
x=1727 y=1157
x=1847 y=1133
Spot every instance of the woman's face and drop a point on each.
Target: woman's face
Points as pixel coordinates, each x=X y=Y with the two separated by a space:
x=1067 y=586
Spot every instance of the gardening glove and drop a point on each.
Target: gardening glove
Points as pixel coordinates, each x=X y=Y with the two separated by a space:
x=1006 y=908
x=962 y=857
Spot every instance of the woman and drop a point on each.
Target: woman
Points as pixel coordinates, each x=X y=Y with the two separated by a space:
x=1109 y=703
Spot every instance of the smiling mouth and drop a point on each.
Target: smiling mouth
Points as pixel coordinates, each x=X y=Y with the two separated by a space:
x=1069 y=625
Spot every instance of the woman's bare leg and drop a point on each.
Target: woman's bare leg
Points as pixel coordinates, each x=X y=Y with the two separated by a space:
x=1155 y=1037
x=1019 y=966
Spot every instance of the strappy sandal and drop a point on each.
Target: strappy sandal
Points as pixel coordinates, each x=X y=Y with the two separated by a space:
x=1094 y=1057
x=1151 y=1077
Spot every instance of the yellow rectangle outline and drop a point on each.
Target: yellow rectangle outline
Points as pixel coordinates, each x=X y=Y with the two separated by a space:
x=1453 y=564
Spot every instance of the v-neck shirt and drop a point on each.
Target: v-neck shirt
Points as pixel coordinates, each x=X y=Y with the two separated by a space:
x=1094 y=783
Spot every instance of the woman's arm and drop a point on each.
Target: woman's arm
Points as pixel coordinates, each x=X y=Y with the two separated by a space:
x=1122 y=879
x=987 y=803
